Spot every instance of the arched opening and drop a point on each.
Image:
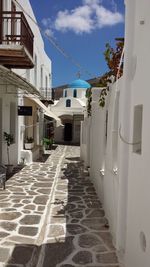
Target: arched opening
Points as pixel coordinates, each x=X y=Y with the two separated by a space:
x=75 y=93
x=68 y=103
x=65 y=93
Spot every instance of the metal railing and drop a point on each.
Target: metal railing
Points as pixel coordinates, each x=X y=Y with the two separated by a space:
x=14 y=29
x=46 y=93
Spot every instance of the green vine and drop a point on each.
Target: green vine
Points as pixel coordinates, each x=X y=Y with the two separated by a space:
x=112 y=57
x=89 y=101
x=103 y=95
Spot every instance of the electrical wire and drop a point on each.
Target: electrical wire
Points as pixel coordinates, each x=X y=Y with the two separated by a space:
x=55 y=44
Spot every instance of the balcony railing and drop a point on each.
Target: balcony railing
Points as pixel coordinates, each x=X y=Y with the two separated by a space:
x=15 y=30
x=46 y=93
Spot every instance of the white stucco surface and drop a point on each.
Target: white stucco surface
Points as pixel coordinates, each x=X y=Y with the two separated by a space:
x=41 y=79
x=125 y=187
x=138 y=219
x=72 y=114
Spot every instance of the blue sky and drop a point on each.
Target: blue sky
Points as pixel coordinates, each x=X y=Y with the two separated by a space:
x=81 y=28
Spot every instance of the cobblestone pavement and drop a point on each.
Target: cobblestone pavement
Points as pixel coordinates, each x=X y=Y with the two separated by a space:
x=50 y=216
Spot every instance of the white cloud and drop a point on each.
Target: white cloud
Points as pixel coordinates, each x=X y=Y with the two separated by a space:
x=91 y=2
x=85 y=18
x=47 y=22
x=49 y=32
x=114 y=5
x=79 y=20
x=106 y=17
x=48 y=29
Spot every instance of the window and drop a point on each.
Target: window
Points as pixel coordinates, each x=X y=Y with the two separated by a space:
x=68 y=103
x=75 y=93
x=65 y=93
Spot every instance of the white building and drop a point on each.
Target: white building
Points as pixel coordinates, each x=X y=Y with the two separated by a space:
x=119 y=160
x=136 y=130
x=70 y=109
x=22 y=49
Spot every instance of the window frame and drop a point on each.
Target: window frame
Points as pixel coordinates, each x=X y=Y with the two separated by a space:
x=68 y=103
x=75 y=93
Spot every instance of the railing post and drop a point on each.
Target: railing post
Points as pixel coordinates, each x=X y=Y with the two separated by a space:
x=21 y=33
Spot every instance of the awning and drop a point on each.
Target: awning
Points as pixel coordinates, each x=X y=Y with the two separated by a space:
x=47 y=112
x=11 y=78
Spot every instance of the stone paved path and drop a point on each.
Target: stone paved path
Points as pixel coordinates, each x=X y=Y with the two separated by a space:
x=50 y=216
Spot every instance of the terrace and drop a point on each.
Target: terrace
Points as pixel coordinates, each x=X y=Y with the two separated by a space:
x=16 y=41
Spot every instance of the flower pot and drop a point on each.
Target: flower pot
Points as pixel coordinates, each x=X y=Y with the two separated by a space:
x=29 y=145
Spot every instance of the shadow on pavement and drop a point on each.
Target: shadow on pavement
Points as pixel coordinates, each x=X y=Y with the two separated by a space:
x=15 y=170
x=86 y=234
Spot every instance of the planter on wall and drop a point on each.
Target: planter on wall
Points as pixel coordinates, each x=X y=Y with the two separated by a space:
x=29 y=145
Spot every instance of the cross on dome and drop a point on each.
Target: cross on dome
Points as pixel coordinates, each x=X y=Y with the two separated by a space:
x=78 y=74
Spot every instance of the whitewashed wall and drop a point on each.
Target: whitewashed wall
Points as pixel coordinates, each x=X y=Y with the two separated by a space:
x=61 y=109
x=59 y=134
x=111 y=177
x=80 y=92
x=130 y=219
x=137 y=60
x=85 y=141
x=126 y=194
x=34 y=76
x=76 y=132
x=39 y=76
x=97 y=142
x=43 y=61
x=99 y=150
x=7 y=121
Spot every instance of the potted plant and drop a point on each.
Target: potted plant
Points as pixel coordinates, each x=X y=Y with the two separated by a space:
x=51 y=142
x=9 y=141
x=48 y=142
x=29 y=143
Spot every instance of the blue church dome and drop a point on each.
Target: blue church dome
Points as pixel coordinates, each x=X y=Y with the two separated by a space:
x=79 y=84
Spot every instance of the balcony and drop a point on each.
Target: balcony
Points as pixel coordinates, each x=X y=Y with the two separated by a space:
x=16 y=41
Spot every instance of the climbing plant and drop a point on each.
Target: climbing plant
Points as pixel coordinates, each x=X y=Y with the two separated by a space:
x=89 y=100
x=112 y=57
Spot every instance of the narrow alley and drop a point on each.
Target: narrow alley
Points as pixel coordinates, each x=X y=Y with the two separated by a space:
x=50 y=216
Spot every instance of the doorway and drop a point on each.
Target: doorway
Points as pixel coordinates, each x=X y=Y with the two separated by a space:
x=68 y=132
